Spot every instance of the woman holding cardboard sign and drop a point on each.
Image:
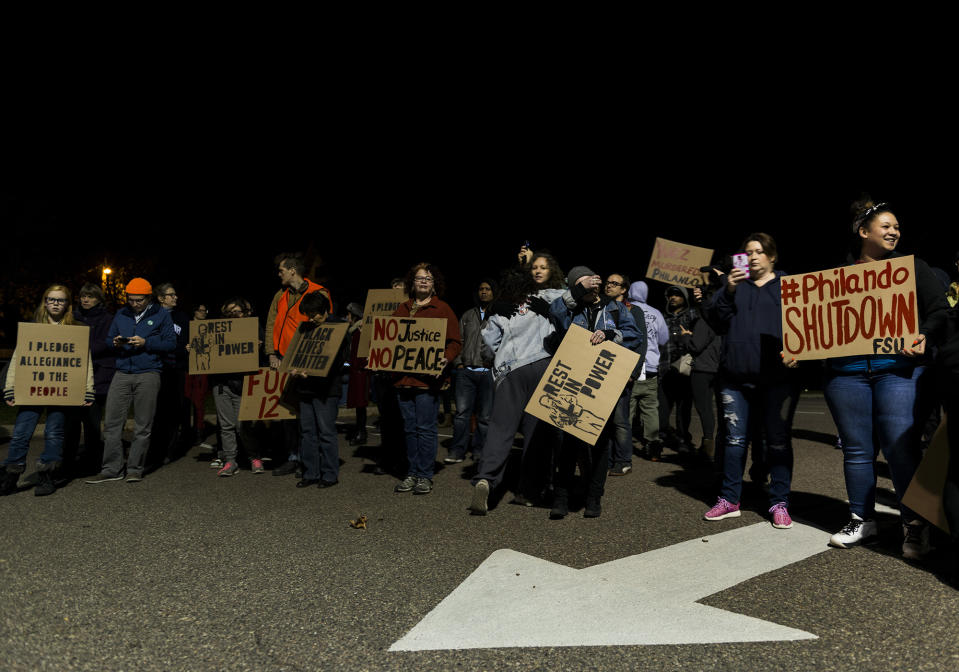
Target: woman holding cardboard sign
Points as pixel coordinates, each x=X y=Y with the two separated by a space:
x=873 y=399
x=753 y=377
x=54 y=308
x=419 y=392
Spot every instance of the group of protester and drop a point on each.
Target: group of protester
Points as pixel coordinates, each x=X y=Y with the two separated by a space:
x=717 y=348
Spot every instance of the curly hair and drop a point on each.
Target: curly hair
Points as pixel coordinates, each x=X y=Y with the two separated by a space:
x=439 y=284
x=556 y=275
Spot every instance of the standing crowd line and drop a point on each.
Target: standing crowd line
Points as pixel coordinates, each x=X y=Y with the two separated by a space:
x=716 y=348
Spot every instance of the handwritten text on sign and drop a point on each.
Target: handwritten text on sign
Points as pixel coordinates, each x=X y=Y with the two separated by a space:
x=582 y=385
x=312 y=350
x=866 y=309
x=224 y=346
x=379 y=302
x=51 y=364
x=261 y=397
x=678 y=263
x=407 y=345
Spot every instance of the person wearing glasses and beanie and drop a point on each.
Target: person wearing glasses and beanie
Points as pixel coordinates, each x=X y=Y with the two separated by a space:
x=142 y=334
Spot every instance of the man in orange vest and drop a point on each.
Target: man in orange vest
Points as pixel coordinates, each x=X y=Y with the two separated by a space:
x=281 y=323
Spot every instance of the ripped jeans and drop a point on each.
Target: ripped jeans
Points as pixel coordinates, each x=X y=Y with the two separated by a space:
x=771 y=401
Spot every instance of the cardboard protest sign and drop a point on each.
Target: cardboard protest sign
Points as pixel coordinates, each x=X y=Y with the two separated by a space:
x=407 y=345
x=678 y=263
x=582 y=385
x=379 y=302
x=866 y=309
x=924 y=494
x=312 y=352
x=51 y=364
x=262 y=396
x=224 y=346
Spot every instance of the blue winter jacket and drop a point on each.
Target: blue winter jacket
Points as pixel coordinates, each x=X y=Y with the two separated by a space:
x=155 y=327
x=612 y=317
x=751 y=321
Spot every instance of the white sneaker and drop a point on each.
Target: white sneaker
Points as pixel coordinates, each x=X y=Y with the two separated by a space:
x=855 y=532
x=915 y=541
x=478 y=504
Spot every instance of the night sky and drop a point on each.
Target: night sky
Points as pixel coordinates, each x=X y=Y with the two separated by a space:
x=208 y=205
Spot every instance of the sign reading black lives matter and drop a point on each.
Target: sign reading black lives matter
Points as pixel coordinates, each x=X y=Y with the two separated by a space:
x=407 y=345
x=866 y=309
x=224 y=346
x=582 y=385
x=312 y=352
x=51 y=363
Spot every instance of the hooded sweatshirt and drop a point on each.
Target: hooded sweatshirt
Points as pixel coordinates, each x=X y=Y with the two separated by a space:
x=656 y=330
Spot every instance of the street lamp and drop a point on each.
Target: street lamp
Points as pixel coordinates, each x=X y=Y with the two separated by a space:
x=103 y=276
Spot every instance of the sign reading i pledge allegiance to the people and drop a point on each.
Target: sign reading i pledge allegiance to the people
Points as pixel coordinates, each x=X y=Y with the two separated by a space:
x=582 y=385
x=678 y=263
x=312 y=352
x=224 y=346
x=407 y=344
x=51 y=364
x=379 y=302
x=865 y=309
x=262 y=396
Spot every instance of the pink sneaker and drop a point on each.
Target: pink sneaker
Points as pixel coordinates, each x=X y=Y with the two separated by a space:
x=781 y=519
x=228 y=469
x=257 y=466
x=723 y=509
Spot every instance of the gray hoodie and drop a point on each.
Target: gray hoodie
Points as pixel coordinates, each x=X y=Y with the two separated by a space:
x=656 y=329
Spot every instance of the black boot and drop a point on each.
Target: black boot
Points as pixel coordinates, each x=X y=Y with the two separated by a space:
x=560 y=504
x=45 y=486
x=8 y=480
x=593 y=508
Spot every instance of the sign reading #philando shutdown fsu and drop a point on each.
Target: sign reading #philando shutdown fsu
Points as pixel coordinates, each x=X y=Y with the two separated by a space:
x=864 y=309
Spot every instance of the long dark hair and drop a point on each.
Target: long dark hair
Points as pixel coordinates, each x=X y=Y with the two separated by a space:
x=557 y=279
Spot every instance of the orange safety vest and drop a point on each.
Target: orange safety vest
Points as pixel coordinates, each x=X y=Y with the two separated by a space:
x=288 y=317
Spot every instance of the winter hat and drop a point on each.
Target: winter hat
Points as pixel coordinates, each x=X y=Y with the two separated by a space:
x=139 y=286
x=576 y=273
x=355 y=309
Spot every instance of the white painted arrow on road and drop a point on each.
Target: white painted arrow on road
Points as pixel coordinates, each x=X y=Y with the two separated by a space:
x=517 y=600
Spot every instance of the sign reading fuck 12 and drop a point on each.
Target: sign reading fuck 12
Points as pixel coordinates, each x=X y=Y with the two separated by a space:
x=864 y=309
x=408 y=345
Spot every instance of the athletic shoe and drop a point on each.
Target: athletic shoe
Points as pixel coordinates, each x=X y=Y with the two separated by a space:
x=286 y=468
x=406 y=485
x=855 y=532
x=452 y=459
x=424 y=486
x=134 y=477
x=103 y=478
x=620 y=470
x=723 y=509
x=216 y=463
x=915 y=542
x=781 y=519
x=257 y=466
x=478 y=505
x=228 y=469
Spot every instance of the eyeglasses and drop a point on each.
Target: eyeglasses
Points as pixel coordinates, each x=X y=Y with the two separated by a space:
x=56 y=301
x=169 y=294
x=614 y=283
x=423 y=278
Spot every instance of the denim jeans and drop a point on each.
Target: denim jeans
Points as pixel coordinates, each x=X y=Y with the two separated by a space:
x=621 y=445
x=871 y=408
x=419 y=409
x=319 y=449
x=474 y=392
x=26 y=423
x=770 y=402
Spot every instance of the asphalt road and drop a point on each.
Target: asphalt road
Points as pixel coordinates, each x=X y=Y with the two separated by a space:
x=187 y=571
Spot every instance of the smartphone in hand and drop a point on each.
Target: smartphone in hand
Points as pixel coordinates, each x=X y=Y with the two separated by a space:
x=741 y=261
